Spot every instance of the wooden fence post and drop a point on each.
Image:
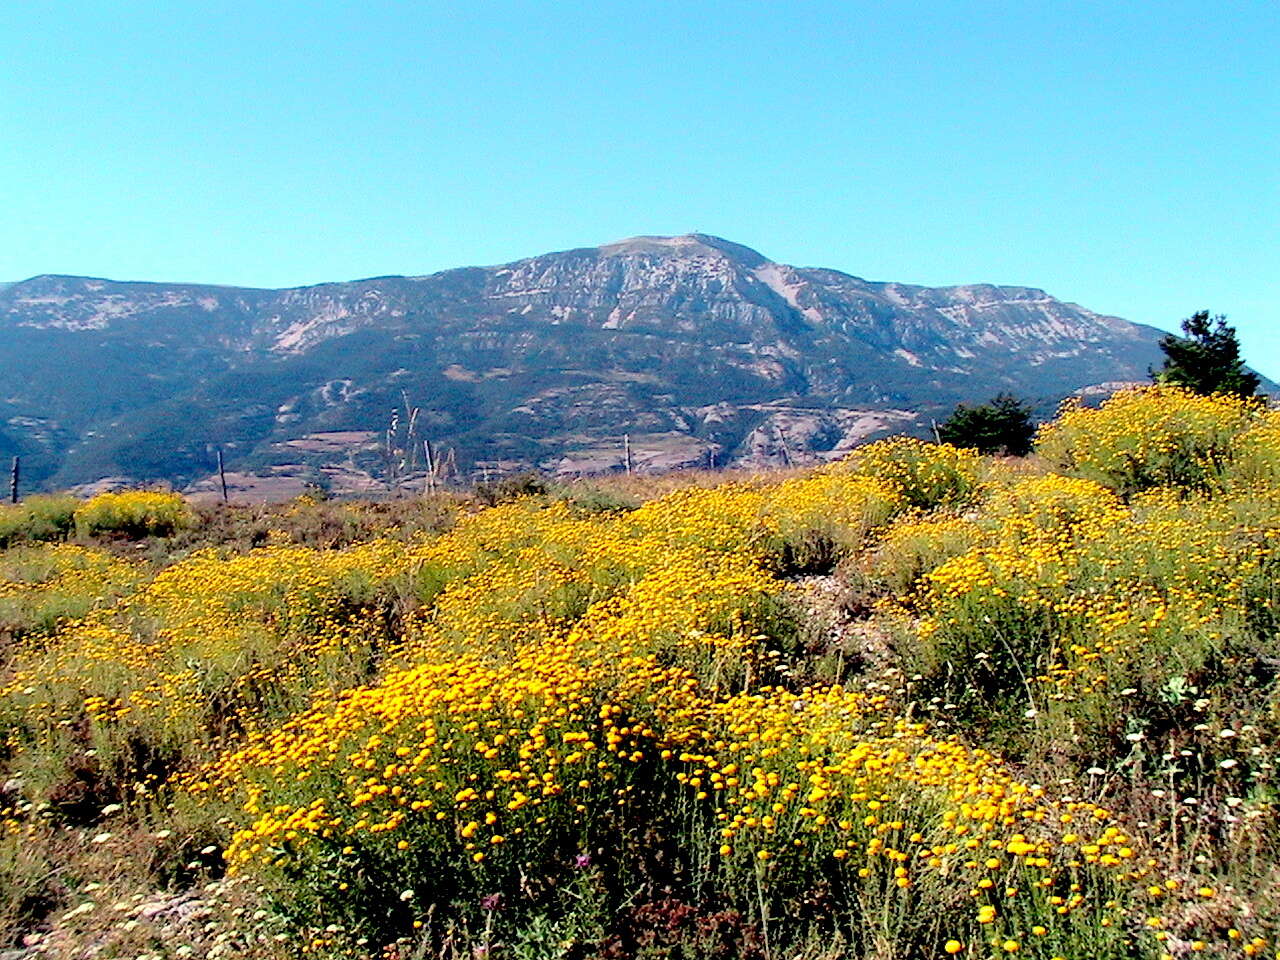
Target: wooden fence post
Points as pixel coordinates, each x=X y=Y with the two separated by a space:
x=13 y=479
x=222 y=476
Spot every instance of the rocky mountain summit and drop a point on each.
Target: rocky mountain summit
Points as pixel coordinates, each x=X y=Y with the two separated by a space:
x=698 y=350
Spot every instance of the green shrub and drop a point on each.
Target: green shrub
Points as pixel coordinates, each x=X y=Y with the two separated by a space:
x=527 y=484
x=595 y=498
x=37 y=518
x=1003 y=426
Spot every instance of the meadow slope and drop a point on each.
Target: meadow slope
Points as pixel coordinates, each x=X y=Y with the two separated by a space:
x=917 y=703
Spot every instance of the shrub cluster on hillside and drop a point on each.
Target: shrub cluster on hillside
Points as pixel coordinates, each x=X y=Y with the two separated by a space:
x=1038 y=716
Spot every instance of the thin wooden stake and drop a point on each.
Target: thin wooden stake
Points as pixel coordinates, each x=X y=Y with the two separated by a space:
x=937 y=437
x=13 y=479
x=222 y=475
x=626 y=451
x=431 y=467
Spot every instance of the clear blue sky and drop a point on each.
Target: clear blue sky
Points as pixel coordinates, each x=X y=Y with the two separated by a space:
x=1124 y=155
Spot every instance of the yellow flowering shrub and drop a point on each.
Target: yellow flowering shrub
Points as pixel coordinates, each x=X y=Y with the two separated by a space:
x=813 y=521
x=827 y=779
x=914 y=545
x=1054 y=504
x=1255 y=453
x=205 y=646
x=42 y=586
x=133 y=513
x=1148 y=437
x=595 y=670
x=927 y=474
x=501 y=737
x=1087 y=614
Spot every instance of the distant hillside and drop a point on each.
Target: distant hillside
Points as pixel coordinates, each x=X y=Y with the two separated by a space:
x=697 y=348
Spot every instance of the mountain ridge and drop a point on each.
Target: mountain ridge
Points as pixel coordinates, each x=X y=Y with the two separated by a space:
x=697 y=347
x=627 y=246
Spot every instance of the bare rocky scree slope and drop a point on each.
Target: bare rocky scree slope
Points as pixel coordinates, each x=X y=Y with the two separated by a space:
x=695 y=346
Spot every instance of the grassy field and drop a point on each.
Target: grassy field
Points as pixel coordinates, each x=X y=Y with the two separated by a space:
x=915 y=704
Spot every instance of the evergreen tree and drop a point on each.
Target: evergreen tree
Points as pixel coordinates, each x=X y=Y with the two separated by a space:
x=1002 y=426
x=1207 y=358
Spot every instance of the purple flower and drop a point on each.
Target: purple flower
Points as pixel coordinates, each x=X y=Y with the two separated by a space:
x=491 y=901
x=582 y=860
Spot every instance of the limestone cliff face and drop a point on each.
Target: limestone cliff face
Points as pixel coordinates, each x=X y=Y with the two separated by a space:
x=697 y=347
